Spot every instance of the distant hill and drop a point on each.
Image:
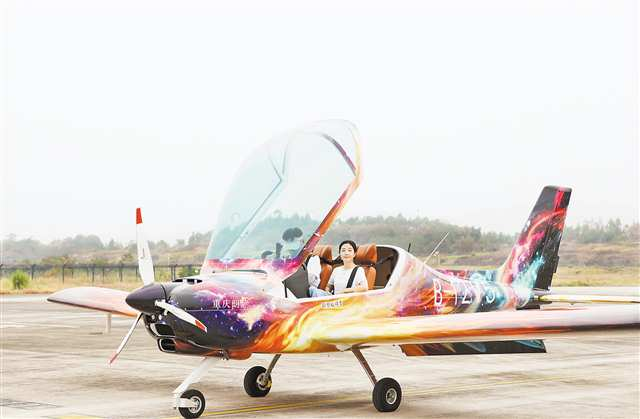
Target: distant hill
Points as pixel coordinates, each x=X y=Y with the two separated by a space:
x=607 y=244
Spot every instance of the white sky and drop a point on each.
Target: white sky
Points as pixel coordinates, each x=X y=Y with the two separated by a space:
x=465 y=108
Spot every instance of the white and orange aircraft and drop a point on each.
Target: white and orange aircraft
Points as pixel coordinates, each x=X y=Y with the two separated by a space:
x=251 y=295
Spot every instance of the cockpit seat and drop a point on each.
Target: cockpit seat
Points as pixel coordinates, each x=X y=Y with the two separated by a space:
x=367 y=256
x=325 y=254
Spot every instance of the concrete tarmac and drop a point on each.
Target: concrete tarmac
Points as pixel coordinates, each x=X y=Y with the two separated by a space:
x=54 y=365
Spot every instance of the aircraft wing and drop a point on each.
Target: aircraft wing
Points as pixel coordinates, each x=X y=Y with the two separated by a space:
x=95 y=298
x=481 y=326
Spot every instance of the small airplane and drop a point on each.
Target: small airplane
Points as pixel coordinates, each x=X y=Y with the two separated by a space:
x=251 y=296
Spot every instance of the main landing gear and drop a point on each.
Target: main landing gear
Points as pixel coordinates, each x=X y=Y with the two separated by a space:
x=387 y=393
x=257 y=381
x=190 y=403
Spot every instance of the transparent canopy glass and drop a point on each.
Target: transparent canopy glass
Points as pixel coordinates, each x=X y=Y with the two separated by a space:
x=283 y=191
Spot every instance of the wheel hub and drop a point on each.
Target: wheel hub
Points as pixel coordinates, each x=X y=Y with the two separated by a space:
x=391 y=396
x=263 y=381
x=197 y=403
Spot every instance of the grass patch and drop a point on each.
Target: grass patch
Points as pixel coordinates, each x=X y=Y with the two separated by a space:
x=597 y=276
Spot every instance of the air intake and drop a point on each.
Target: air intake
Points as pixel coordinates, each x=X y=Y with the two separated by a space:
x=162 y=329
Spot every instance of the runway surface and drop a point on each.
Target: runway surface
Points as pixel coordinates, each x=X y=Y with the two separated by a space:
x=54 y=365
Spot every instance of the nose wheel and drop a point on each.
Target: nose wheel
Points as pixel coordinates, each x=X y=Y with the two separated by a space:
x=195 y=404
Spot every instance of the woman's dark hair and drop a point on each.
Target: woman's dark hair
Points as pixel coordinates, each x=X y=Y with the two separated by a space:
x=351 y=242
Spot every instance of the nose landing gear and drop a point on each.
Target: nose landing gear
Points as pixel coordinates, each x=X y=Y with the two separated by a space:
x=195 y=401
x=191 y=403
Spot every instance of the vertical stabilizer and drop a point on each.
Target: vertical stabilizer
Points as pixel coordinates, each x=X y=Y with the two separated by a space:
x=534 y=257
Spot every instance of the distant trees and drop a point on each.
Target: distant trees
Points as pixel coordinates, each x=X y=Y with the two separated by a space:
x=596 y=232
x=197 y=239
x=79 y=243
x=421 y=232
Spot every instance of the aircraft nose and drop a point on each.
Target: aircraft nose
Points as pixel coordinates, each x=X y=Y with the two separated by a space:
x=143 y=299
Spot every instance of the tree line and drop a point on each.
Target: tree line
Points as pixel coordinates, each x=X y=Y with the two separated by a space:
x=422 y=233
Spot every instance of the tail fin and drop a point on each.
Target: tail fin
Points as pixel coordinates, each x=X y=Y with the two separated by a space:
x=534 y=257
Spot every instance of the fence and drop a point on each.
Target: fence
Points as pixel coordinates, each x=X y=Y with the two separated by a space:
x=97 y=272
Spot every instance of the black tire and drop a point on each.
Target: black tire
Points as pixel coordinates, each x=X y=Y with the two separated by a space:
x=192 y=412
x=387 y=395
x=252 y=385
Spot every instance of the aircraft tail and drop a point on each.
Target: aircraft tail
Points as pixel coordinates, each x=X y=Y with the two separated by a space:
x=534 y=257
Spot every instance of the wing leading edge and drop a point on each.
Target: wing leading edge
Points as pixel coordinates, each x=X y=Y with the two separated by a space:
x=481 y=327
x=95 y=298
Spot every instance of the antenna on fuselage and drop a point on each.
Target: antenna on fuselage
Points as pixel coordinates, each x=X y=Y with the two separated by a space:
x=435 y=249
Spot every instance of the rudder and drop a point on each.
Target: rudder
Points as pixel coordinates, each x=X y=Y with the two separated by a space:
x=534 y=257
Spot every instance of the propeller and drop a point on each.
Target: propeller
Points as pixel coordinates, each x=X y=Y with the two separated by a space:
x=181 y=314
x=145 y=264
x=145 y=268
x=151 y=297
x=125 y=340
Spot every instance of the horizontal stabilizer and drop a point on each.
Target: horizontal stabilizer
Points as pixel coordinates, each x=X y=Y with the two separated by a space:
x=95 y=298
x=569 y=298
x=475 y=348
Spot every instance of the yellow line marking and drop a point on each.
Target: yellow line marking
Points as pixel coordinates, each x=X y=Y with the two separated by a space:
x=416 y=392
x=77 y=417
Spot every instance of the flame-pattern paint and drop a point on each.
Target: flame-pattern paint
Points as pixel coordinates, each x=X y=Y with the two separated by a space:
x=247 y=312
x=245 y=317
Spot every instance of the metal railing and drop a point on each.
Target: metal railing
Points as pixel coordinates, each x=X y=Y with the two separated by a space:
x=92 y=271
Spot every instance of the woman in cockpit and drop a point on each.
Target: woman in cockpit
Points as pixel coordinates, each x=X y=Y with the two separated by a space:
x=344 y=279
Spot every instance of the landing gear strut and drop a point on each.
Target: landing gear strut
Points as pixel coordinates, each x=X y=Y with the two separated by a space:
x=387 y=393
x=257 y=381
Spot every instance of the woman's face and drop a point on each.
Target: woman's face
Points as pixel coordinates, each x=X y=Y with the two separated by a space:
x=346 y=252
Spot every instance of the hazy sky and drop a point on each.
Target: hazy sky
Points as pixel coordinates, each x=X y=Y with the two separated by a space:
x=466 y=109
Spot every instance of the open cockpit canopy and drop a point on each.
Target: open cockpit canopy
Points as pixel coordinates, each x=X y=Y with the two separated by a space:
x=285 y=195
